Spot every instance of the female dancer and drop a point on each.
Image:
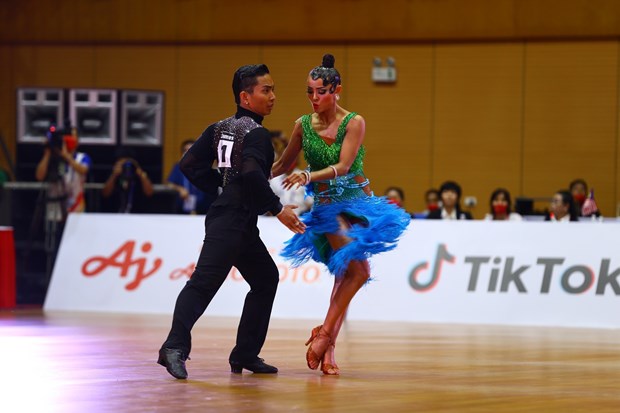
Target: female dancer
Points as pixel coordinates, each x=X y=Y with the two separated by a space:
x=347 y=224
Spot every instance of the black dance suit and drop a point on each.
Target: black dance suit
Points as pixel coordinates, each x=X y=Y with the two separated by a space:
x=245 y=154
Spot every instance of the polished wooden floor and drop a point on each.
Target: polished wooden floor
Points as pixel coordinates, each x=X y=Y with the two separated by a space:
x=106 y=363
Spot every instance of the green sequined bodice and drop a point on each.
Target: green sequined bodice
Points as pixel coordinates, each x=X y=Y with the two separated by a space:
x=320 y=155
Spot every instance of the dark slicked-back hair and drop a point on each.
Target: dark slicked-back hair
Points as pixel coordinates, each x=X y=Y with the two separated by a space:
x=327 y=72
x=244 y=79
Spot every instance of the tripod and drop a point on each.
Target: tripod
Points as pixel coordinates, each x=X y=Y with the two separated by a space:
x=51 y=208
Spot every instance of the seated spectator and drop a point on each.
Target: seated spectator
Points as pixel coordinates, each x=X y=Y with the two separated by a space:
x=296 y=195
x=562 y=208
x=501 y=207
x=128 y=186
x=191 y=200
x=396 y=195
x=450 y=195
x=579 y=190
x=432 y=202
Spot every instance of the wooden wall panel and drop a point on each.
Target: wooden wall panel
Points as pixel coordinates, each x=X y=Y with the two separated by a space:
x=25 y=66
x=574 y=18
x=65 y=66
x=126 y=67
x=193 y=20
x=303 y=21
x=142 y=20
x=477 y=123
x=150 y=68
x=398 y=118
x=571 y=115
x=458 y=20
x=204 y=84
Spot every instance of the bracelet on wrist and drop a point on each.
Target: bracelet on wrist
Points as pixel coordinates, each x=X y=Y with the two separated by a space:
x=335 y=171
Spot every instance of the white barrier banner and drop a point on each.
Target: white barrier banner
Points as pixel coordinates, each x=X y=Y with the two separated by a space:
x=139 y=263
x=527 y=273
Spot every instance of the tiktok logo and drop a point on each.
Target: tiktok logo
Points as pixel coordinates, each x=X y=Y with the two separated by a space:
x=530 y=274
x=414 y=276
x=123 y=258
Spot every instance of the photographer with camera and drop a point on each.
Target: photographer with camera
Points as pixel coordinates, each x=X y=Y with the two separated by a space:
x=65 y=170
x=128 y=186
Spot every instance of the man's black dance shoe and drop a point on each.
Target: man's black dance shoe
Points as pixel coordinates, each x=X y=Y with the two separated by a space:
x=174 y=361
x=256 y=366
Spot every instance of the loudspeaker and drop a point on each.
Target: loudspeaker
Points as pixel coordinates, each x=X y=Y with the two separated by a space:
x=141 y=117
x=37 y=110
x=93 y=113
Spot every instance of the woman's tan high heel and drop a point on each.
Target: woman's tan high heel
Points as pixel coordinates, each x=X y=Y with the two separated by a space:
x=314 y=333
x=327 y=368
x=313 y=358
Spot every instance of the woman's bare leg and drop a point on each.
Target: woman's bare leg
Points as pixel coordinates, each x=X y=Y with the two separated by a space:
x=329 y=359
x=344 y=290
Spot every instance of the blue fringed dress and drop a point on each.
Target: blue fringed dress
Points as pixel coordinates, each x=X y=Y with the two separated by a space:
x=376 y=223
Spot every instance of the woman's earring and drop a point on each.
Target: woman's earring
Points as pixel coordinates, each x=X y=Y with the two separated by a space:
x=337 y=96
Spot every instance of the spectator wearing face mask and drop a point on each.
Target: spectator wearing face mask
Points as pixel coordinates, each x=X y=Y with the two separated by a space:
x=501 y=207
x=579 y=190
x=396 y=195
x=450 y=195
x=432 y=201
x=65 y=169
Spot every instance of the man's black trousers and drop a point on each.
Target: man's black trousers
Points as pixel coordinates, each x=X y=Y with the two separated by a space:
x=231 y=239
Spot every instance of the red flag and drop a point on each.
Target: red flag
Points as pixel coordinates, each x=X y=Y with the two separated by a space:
x=589 y=206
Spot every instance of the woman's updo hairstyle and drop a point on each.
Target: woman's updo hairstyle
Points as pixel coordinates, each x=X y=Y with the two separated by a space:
x=327 y=72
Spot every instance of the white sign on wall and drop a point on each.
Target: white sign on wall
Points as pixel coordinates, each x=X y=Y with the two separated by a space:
x=528 y=273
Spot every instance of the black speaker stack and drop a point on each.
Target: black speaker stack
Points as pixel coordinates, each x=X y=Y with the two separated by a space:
x=108 y=122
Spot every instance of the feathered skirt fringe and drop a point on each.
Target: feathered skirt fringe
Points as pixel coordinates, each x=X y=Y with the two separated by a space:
x=376 y=227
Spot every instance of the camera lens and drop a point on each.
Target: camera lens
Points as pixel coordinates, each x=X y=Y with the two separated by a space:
x=129 y=168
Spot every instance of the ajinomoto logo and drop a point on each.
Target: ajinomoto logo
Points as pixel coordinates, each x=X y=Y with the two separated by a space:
x=135 y=263
x=493 y=274
x=124 y=259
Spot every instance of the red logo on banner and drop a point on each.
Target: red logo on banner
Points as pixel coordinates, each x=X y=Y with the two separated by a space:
x=123 y=258
x=183 y=272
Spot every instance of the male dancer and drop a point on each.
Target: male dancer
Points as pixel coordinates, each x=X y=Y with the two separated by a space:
x=243 y=149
